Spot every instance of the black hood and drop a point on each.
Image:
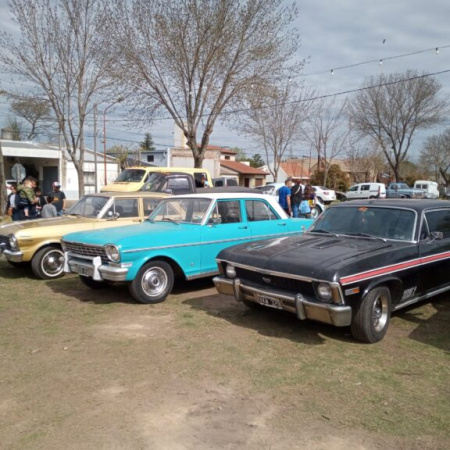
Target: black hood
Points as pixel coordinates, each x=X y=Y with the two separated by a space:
x=310 y=255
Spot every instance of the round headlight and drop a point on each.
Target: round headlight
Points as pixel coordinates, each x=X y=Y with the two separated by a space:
x=324 y=292
x=13 y=242
x=112 y=252
x=230 y=271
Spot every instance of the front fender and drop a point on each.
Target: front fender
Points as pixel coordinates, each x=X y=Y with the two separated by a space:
x=394 y=284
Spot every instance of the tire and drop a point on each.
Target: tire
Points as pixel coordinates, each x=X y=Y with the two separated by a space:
x=315 y=212
x=48 y=263
x=371 y=316
x=94 y=284
x=371 y=197
x=153 y=282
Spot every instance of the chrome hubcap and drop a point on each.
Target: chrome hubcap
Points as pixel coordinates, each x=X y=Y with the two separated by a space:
x=52 y=264
x=154 y=281
x=380 y=313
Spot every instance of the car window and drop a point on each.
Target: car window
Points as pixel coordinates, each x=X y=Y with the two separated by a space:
x=386 y=223
x=149 y=205
x=365 y=187
x=229 y=211
x=353 y=188
x=126 y=207
x=258 y=210
x=439 y=221
x=131 y=175
x=88 y=206
x=190 y=210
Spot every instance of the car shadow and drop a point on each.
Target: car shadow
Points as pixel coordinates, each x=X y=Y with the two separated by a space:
x=432 y=330
x=10 y=272
x=269 y=322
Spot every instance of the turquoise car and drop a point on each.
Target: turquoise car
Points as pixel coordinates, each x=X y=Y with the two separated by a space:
x=181 y=238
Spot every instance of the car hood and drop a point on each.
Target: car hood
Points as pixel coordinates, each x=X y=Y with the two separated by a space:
x=309 y=255
x=145 y=234
x=122 y=186
x=53 y=223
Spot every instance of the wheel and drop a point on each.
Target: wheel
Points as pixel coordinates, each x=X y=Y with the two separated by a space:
x=315 y=212
x=48 y=263
x=320 y=199
x=153 y=282
x=371 y=197
x=371 y=317
x=94 y=284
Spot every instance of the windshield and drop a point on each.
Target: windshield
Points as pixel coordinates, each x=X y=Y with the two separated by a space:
x=88 y=206
x=187 y=210
x=131 y=175
x=385 y=223
x=164 y=182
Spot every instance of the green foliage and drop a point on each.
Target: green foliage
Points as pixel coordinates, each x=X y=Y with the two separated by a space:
x=337 y=179
x=256 y=161
x=147 y=144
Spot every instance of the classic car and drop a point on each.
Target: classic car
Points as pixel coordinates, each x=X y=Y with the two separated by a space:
x=181 y=238
x=402 y=190
x=38 y=241
x=357 y=263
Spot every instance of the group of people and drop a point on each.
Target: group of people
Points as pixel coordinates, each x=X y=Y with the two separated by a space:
x=26 y=201
x=296 y=200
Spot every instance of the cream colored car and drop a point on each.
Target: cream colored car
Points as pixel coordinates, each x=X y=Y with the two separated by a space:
x=38 y=241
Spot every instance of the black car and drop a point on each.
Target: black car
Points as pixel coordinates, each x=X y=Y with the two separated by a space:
x=358 y=262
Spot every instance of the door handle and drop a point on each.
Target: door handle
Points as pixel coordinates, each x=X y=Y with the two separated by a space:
x=243 y=227
x=283 y=224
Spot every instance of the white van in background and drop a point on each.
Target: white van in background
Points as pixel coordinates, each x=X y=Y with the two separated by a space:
x=430 y=187
x=366 y=190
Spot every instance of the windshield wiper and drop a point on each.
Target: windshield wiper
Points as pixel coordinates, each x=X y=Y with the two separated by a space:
x=370 y=236
x=324 y=231
x=168 y=219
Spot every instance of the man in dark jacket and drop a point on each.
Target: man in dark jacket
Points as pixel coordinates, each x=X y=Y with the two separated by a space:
x=296 y=197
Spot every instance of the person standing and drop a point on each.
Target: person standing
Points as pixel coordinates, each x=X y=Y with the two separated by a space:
x=41 y=201
x=27 y=198
x=284 y=196
x=49 y=209
x=11 y=208
x=59 y=198
x=296 y=197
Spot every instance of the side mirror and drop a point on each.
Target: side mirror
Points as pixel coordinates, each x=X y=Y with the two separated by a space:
x=437 y=235
x=168 y=191
x=214 y=221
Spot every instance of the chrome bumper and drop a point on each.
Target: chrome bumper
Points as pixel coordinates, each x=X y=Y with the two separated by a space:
x=13 y=256
x=94 y=268
x=337 y=315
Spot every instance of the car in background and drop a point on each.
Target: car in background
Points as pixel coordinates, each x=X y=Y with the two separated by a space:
x=8 y=186
x=364 y=191
x=402 y=190
x=430 y=188
x=325 y=195
x=273 y=188
x=359 y=262
x=38 y=241
x=181 y=238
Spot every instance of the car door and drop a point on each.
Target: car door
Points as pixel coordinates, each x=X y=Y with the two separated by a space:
x=225 y=226
x=352 y=193
x=263 y=220
x=435 y=249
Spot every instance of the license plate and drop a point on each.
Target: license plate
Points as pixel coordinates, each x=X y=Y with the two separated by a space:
x=83 y=271
x=270 y=302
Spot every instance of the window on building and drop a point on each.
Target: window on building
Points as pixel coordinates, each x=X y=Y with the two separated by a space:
x=150 y=158
x=89 y=178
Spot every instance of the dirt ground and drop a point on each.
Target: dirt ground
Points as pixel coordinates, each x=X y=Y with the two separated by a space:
x=84 y=369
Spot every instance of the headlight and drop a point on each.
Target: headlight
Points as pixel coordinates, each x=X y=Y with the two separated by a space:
x=324 y=292
x=112 y=252
x=13 y=242
x=230 y=271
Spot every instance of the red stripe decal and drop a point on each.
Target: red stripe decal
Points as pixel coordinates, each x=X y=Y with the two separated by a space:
x=393 y=268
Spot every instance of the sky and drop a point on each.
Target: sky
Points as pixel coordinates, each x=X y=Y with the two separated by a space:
x=335 y=34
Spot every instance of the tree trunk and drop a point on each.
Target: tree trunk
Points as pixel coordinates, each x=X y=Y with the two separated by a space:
x=2 y=184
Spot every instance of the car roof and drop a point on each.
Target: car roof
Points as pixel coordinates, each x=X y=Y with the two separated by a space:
x=134 y=194
x=418 y=205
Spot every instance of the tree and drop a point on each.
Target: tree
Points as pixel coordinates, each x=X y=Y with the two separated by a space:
x=36 y=112
x=327 y=130
x=195 y=59
x=435 y=156
x=337 y=178
x=274 y=118
x=15 y=127
x=61 y=54
x=256 y=161
x=121 y=153
x=390 y=109
x=147 y=144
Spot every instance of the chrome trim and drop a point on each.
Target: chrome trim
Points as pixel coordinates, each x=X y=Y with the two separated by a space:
x=246 y=238
x=13 y=256
x=421 y=297
x=202 y=275
x=337 y=315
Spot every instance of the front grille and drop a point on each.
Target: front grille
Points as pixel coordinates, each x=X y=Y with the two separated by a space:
x=86 y=250
x=287 y=285
x=4 y=243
